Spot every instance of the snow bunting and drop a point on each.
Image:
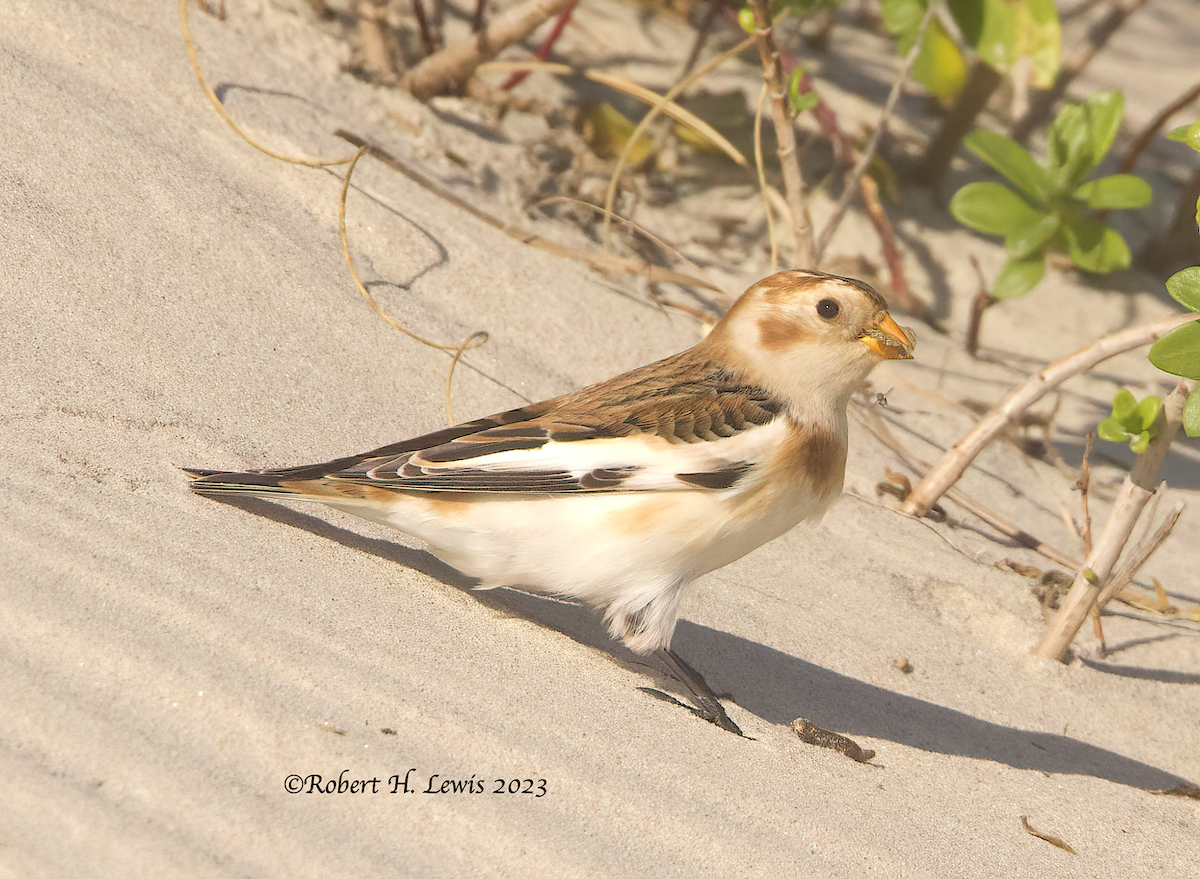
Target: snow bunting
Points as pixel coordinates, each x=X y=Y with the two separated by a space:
x=620 y=494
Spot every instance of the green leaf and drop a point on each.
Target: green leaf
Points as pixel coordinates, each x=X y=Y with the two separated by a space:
x=990 y=28
x=939 y=65
x=1191 y=413
x=1012 y=161
x=1095 y=247
x=1116 y=192
x=1032 y=240
x=805 y=100
x=1184 y=287
x=1189 y=134
x=1178 y=352
x=1103 y=111
x=1068 y=140
x=968 y=15
x=1110 y=430
x=902 y=18
x=1140 y=442
x=1082 y=134
x=1125 y=408
x=1017 y=277
x=992 y=208
x=1148 y=413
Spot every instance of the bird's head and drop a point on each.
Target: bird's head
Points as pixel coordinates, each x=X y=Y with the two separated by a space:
x=810 y=337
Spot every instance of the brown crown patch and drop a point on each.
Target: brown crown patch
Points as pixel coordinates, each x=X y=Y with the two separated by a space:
x=784 y=285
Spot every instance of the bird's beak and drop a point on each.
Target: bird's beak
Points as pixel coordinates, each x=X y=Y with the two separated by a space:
x=889 y=340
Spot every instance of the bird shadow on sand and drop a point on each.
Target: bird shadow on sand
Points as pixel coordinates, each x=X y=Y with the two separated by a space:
x=776 y=686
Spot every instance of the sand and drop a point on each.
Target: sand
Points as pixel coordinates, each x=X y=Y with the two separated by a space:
x=172 y=297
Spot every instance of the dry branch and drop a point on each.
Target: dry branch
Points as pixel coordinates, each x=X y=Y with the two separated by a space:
x=1141 y=553
x=1084 y=485
x=982 y=82
x=376 y=46
x=1147 y=134
x=785 y=133
x=1137 y=489
x=1015 y=402
x=884 y=434
x=447 y=71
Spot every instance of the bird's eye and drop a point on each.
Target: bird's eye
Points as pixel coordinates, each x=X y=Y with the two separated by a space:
x=828 y=308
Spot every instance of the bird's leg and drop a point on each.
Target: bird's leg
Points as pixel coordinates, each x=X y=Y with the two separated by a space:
x=700 y=693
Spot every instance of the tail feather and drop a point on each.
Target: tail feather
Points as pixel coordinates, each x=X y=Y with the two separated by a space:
x=216 y=482
x=283 y=483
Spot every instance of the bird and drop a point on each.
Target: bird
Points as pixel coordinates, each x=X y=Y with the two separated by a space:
x=620 y=494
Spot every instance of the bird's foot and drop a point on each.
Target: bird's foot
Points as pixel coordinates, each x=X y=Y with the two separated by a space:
x=705 y=703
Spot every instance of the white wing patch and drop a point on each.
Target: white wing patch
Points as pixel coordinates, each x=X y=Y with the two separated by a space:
x=635 y=463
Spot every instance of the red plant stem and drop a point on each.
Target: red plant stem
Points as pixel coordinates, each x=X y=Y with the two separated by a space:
x=547 y=46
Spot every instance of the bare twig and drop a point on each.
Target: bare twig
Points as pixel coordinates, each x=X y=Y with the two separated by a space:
x=845 y=151
x=429 y=43
x=448 y=70
x=982 y=82
x=879 y=428
x=955 y=462
x=1140 y=554
x=762 y=179
x=1176 y=246
x=703 y=30
x=864 y=160
x=785 y=133
x=901 y=295
x=982 y=302
x=1135 y=492
x=640 y=230
x=1084 y=485
x=437 y=22
x=1148 y=514
x=1147 y=134
x=372 y=30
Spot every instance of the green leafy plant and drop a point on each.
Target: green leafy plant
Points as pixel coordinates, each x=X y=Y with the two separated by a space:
x=1178 y=352
x=1131 y=421
x=1048 y=207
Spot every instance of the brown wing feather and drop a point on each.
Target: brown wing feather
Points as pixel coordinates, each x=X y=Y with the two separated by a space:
x=686 y=398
